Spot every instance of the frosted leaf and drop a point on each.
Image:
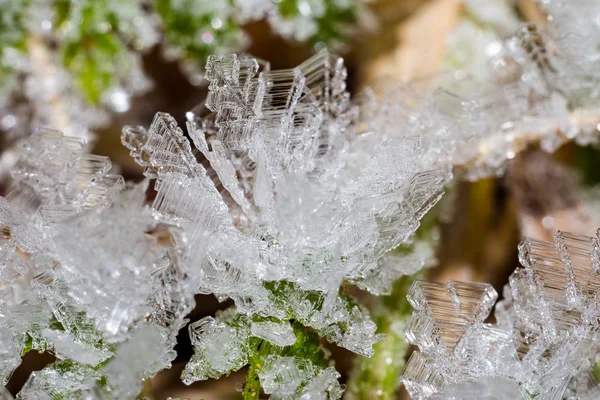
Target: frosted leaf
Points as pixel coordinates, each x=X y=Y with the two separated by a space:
x=278 y=333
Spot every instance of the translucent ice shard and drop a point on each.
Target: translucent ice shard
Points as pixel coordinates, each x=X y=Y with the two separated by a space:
x=60 y=380
x=324 y=386
x=66 y=347
x=485 y=389
x=444 y=312
x=290 y=378
x=56 y=169
x=133 y=362
x=280 y=376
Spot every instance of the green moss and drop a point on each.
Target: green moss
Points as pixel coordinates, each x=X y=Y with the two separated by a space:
x=12 y=37
x=56 y=324
x=288 y=8
x=94 y=52
x=28 y=345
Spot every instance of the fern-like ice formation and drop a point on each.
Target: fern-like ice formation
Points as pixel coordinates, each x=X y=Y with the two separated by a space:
x=543 y=345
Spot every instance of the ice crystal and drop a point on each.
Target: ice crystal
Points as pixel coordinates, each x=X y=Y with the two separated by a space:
x=280 y=334
x=281 y=376
x=220 y=347
x=543 y=345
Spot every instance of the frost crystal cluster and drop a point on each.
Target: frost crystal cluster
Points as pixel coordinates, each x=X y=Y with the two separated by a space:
x=545 y=340
x=283 y=191
x=297 y=197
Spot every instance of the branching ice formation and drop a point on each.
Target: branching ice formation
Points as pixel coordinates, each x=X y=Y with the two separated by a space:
x=288 y=191
x=82 y=275
x=543 y=345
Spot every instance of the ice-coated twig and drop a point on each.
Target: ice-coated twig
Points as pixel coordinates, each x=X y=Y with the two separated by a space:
x=534 y=84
